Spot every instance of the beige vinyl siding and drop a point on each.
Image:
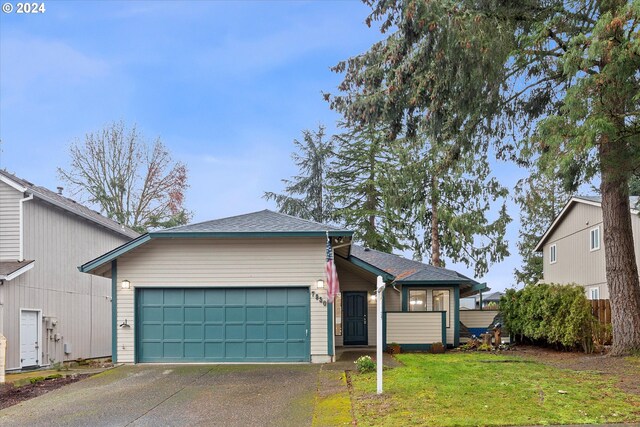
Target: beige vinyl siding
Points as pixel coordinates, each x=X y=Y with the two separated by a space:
x=477 y=318
x=9 y=222
x=414 y=328
x=576 y=263
x=393 y=299
x=224 y=263
x=451 y=313
x=81 y=303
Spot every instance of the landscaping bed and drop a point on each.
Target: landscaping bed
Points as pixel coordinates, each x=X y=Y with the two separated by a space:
x=11 y=395
x=488 y=389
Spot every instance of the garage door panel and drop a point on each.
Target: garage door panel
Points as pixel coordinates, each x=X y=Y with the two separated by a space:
x=214 y=314
x=234 y=332
x=193 y=296
x=275 y=314
x=193 y=332
x=214 y=332
x=276 y=332
x=256 y=350
x=217 y=325
x=174 y=296
x=214 y=350
x=234 y=314
x=194 y=314
x=173 y=314
x=214 y=296
x=235 y=296
x=276 y=296
x=256 y=332
x=256 y=297
x=194 y=350
x=296 y=332
x=276 y=350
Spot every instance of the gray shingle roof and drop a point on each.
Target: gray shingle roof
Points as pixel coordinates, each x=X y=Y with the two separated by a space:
x=265 y=221
x=404 y=269
x=70 y=205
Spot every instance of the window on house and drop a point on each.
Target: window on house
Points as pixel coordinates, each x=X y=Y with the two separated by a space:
x=441 y=303
x=337 y=306
x=417 y=300
x=594 y=293
x=594 y=241
x=553 y=255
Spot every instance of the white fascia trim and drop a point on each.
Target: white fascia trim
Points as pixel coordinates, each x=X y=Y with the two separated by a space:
x=26 y=199
x=18 y=272
x=12 y=183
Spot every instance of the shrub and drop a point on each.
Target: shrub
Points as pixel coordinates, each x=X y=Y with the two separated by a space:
x=556 y=314
x=365 y=364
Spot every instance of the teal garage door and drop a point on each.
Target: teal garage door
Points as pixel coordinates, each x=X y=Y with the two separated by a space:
x=222 y=325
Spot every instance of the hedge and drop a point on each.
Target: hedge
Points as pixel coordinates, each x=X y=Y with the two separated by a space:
x=555 y=314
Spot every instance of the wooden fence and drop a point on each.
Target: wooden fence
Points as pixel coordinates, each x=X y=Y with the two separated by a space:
x=601 y=309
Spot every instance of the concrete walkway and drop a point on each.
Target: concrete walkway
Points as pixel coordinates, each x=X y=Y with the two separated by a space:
x=178 y=395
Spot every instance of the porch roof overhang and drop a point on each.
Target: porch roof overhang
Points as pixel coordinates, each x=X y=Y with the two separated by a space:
x=9 y=270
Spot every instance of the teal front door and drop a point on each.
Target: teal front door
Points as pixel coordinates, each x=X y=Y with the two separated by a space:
x=222 y=325
x=355 y=318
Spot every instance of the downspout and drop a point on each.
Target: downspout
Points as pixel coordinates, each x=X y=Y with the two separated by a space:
x=26 y=199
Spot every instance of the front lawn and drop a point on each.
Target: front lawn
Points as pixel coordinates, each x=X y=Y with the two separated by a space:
x=469 y=389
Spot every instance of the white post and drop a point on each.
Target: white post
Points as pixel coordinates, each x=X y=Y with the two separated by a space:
x=379 y=296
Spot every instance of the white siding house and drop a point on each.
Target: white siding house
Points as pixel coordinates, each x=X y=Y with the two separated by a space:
x=49 y=311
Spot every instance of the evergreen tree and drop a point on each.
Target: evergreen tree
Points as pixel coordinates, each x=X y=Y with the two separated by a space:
x=306 y=194
x=444 y=202
x=360 y=179
x=540 y=198
x=560 y=75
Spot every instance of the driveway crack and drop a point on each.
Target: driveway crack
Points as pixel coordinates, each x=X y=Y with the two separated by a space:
x=168 y=397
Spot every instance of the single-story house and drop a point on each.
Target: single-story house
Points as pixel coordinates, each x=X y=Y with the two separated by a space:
x=251 y=288
x=49 y=311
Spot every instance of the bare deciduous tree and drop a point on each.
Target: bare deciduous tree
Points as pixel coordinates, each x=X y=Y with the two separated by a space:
x=132 y=181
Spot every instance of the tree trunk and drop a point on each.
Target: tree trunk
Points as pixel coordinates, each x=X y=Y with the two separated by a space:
x=621 y=268
x=435 y=236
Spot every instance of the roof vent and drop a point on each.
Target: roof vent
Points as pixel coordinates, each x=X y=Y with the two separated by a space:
x=60 y=190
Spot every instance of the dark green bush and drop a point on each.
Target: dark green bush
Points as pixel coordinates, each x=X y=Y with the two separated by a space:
x=556 y=314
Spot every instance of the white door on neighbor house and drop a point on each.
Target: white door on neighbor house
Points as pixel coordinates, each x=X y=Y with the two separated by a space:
x=29 y=338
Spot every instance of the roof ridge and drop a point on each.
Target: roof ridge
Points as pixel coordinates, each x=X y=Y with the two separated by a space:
x=211 y=220
x=302 y=219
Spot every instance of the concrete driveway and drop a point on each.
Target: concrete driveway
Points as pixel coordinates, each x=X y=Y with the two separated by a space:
x=178 y=395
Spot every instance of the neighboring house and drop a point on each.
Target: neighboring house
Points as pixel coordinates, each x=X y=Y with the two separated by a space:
x=49 y=311
x=251 y=288
x=573 y=246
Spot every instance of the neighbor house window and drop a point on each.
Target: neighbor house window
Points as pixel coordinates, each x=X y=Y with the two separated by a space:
x=417 y=300
x=594 y=241
x=553 y=255
x=338 y=313
x=441 y=303
x=594 y=293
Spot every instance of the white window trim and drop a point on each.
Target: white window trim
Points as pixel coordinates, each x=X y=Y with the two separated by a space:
x=591 y=289
x=554 y=252
x=593 y=249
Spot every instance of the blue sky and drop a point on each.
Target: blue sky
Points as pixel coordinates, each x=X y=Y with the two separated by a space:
x=227 y=86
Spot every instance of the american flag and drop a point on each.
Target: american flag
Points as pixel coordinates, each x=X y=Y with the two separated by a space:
x=333 y=287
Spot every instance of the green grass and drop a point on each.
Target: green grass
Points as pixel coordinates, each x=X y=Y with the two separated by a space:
x=469 y=389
